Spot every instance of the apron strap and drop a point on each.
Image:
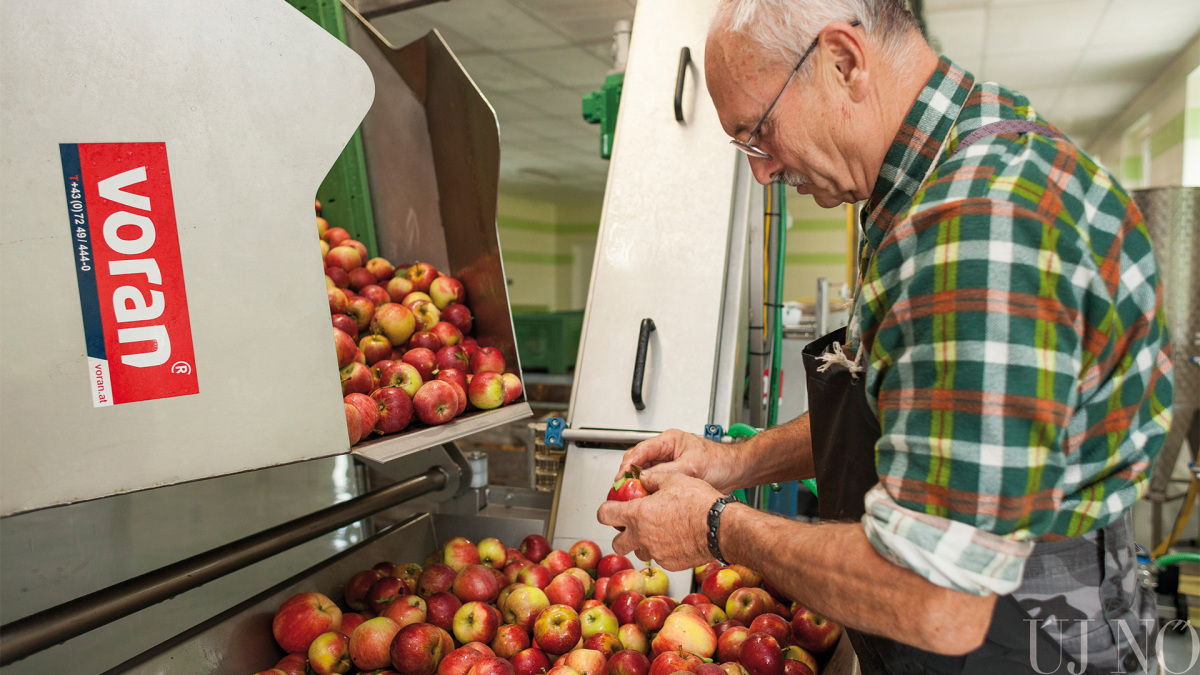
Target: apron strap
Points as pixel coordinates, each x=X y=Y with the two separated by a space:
x=1005 y=127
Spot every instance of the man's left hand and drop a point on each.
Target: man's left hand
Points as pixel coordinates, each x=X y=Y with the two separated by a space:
x=670 y=525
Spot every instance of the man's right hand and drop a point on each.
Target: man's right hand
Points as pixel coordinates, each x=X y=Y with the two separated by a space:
x=675 y=451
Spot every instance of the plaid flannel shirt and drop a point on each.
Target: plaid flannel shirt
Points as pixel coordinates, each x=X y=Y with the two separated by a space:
x=1009 y=317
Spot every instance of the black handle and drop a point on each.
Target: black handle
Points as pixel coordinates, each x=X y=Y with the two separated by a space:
x=685 y=58
x=639 y=364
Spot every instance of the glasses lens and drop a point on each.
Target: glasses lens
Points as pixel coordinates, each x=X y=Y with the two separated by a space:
x=749 y=149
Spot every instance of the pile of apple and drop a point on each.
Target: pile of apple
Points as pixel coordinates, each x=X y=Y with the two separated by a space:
x=488 y=609
x=403 y=342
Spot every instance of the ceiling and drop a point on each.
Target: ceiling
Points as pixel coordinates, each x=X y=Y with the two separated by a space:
x=1079 y=61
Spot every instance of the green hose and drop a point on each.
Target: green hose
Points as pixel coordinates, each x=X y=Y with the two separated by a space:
x=1175 y=558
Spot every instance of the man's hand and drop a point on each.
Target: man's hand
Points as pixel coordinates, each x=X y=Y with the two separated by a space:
x=675 y=451
x=669 y=526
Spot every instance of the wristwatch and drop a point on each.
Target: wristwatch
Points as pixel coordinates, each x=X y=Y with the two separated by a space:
x=714 y=524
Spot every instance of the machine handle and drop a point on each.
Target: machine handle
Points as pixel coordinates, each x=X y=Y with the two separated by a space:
x=685 y=58
x=639 y=364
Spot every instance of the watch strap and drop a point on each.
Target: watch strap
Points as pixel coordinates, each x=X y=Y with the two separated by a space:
x=714 y=526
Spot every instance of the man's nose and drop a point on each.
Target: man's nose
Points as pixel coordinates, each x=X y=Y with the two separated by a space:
x=765 y=170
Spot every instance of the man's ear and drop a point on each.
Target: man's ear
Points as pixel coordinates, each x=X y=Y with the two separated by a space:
x=844 y=50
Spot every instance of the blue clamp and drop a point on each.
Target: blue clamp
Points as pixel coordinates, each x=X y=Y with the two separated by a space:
x=713 y=432
x=554 y=429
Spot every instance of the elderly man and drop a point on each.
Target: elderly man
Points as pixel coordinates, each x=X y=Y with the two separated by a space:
x=980 y=430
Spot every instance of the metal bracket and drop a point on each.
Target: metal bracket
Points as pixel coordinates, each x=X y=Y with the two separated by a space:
x=554 y=431
x=713 y=432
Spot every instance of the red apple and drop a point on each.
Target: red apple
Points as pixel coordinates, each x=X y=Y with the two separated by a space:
x=486 y=391
x=371 y=643
x=447 y=333
x=611 y=564
x=761 y=655
x=513 y=568
x=338 y=276
x=632 y=637
x=587 y=661
x=510 y=640
x=357 y=246
x=301 y=618
x=557 y=629
x=460 y=661
x=585 y=553
x=750 y=578
x=650 y=614
x=729 y=645
x=345 y=324
x=713 y=614
x=535 y=547
x=381 y=268
x=370 y=415
x=398 y=287
x=717 y=587
x=487 y=359
x=337 y=301
x=492 y=665
x=292 y=664
x=453 y=357
x=458 y=377
x=744 y=604
x=673 y=662
x=461 y=395
x=418 y=648
x=812 y=631
x=345 y=257
x=459 y=553
x=696 y=599
x=344 y=346
x=329 y=653
x=557 y=561
x=395 y=410
x=406 y=609
x=395 y=322
x=423 y=360
x=350 y=622
x=535 y=575
x=512 y=388
x=491 y=551
x=422 y=275
x=532 y=661
x=437 y=578
x=383 y=591
x=441 y=608
x=628 y=486
x=425 y=340
x=624 y=605
x=709 y=669
x=686 y=632
x=403 y=376
x=354 y=424
x=601 y=589
x=356 y=588
x=605 y=643
x=702 y=572
x=475 y=583
x=445 y=290
x=773 y=625
x=476 y=622
x=523 y=605
x=720 y=627
x=626 y=580
x=628 y=662
x=356 y=378
x=375 y=348
x=436 y=403
x=459 y=316
x=565 y=589
x=359 y=277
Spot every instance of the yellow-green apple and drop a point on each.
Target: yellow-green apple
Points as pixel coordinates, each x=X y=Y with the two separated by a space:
x=761 y=655
x=588 y=661
x=720 y=627
x=292 y=664
x=605 y=643
x=422 y=276
x=673 y=662
x=358 y=246
x=532 y=661
x=735 y=668
x=773 y=625
x=625 y=605
x=345 y=257
x=426 y=340
x=476 y=622
x=445 y=290
x=504 y=593
x=375 y=348
x=632 y=637
x=656 y=581
x=650 y=614
x=427 y=314
x=395 y=410
x=436 y=578
x=350 y=621
x=486 y=392
x=750 y=578
x=423 y=360
x=625 y=581
x=382 y=592
x=510 y=640
x=452 y=357
x=447 y=333
x=347 y=326
x=354 y=422
x=535 y=547
x=338 y=276
x=415 y=297
x=381 y=268
x=557 y=561
x=512 y=388
x=598 y=619
x=565 y=589
x=418 y=648
x=403 y=376
x=441 y=608
x=719 y=585
x=512 y=568
x=475 y=583
x=611 y=564
x=584 y=578
x=459 y=661
x=436 y=403
x=795 y=658
x=406 y=609
x=535 y=575
x=459 y=552
x=813 y=631
x=459 y=316
x=359 y=277
x=492 y=665
x=337 y=301
x=371 y=643
x=492 y=552
x=398 y=287
x=344 y=346
x=585 y=553
x=628 y=662
x=729 y=644
x=557 y=629
x=744 y=604
x=686 y=632
x=395 y=322
x=487 y=359
x=329 y=653
x=523 y=606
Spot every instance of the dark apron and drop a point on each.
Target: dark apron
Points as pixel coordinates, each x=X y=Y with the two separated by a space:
x=844 y=434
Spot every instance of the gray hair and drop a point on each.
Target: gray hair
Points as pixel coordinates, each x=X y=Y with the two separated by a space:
x=783 y=29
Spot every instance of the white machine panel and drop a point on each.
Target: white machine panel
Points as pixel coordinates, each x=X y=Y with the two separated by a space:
x=664 y=237
x=253 y=103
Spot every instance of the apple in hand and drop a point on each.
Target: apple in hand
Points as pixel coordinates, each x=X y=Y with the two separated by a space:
x=371 y=643
x=329 y=653
x=395 y=410
x=812 y=631
x=627 y=487
x=418 y=648
x=301 y=618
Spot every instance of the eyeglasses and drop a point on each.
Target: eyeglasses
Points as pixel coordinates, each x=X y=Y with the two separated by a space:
x=747 y=146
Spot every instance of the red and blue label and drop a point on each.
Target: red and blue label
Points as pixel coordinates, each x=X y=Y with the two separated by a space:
x=125 y=244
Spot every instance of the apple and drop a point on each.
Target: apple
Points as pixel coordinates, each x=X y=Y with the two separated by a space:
x=761 y=655
x=744 y=604
x=423 y=360
x=458 y=377
x=590 y=603
x=628 y=486
x=358 y=356
x=729 y=644
x=403 y=376
x=459 y=552
x=336 y=235
x=476 y=622
x=605 y=643
x=561 y=668
x=492 y=665
x=346 y=325
x=427 y=314
x=441 y=608
x=584 y=578
x=513 y=568
x=487 y=359
x=381 y=268
x=345 y=257
x=632 y=637
x=292 y=664
x=359 y=277
x=812 y=631
x=370 y=645
x=532 y=661
x=688 y=609
x=672 y=662
x=510 y=640
x=686 y=632
x=709 y=669
x=480 y=647
x=773 y=625
x=735 y=668
x=557 y=629
x=535 y=547
x=377 y=370
x=329 y=653
x=656 y=580
x=535 y=575
x=344 y=346
x=422 y=276
x=624 y=581
x=354 y=424
x=406 y=609
x=453 y=357
x=445 y=290
x=565 y=589
x=370 y=414
x=395 y=410
x=356 y=378
x=460 y=661
x=628 y=662
x=461 y=395
x=425 y=340
x=557 y=561
x=357 y=246
x=650 y=614
x=418 y=648
x=436 y=578
x=795 y=657
x=750 y=578
x=375 y=348
x=696 y=599
x=601 y=589
x=459 y=316
x=720 y=627
x=383 y=591
x=718 y=586
x=512 y=388
x=301 y=618
x=624 y=605
x=584 y=553
x=475 y=583
x=436 y=403
x=415 y=297
x=486 y=391
x=447 y=333
x=588 y=661
x=350 y=622
x=713 y=614
x=395 y=322
x=504 y=593
x=523 y=605
x=701 y=572
x=337 y=301
x=492 y=552
x=356 y=588
x=611 y=564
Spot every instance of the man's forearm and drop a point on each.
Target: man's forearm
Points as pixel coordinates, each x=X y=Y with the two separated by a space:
x=778 y=454
x=833 y=569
